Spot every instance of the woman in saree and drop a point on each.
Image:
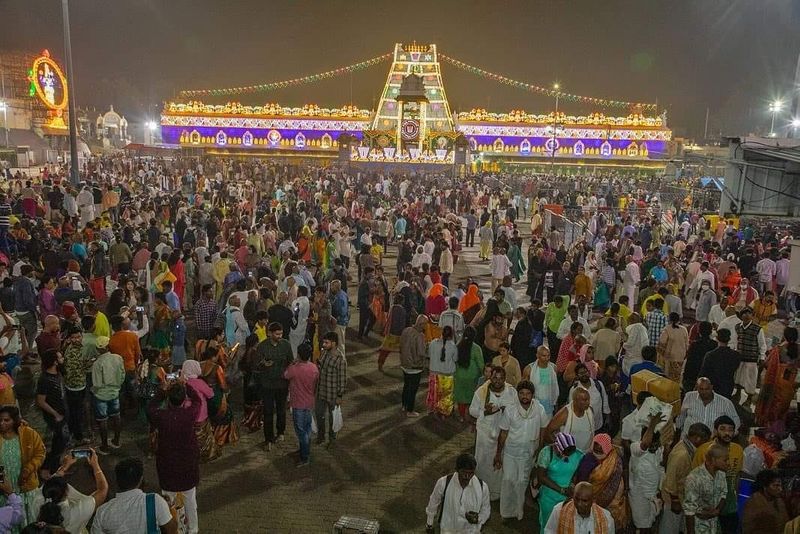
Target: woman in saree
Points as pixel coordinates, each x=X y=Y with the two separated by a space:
x=602 y=466
x=514 y=255
x=555 y=467
x=219 y=412
x=253 y=405
x=176 y=267
x=469 y=366
x=162 y=327
x=780 y=380
x=486 y=238
x=443 y=355
x=191 y=372
x=304 y=244
x=320 y=250
x=470 y=304
x=21 y=455
x=395 y=324
x=436 y=302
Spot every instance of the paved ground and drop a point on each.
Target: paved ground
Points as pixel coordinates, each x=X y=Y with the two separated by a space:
x=383 y=466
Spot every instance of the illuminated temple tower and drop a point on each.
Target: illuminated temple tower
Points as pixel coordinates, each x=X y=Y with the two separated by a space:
x=413 y=105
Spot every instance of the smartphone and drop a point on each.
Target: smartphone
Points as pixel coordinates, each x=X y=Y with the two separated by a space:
x=81 y=453
x=2 y=474
x=139 y=309
x=172 y=376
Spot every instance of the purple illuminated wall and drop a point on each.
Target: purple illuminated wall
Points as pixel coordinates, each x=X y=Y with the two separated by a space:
x=172 y=135
x=655 y=149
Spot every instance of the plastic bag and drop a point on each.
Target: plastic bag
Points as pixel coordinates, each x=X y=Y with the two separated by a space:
x=652 y=406
x=314 y=429
x=338 y=423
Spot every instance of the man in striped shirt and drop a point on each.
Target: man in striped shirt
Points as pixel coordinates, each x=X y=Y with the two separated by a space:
x=5 y=222
x=704 y=406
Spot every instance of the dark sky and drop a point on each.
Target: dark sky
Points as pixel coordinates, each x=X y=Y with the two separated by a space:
x=732 y=56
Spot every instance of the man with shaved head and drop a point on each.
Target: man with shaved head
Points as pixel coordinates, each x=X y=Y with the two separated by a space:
x=580 y=514
x=50 y=337
x=703 y=405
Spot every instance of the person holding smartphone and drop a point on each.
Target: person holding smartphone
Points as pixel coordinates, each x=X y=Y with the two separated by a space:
x=58 y=497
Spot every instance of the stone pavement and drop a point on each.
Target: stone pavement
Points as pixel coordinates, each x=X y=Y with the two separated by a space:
x=383 y=466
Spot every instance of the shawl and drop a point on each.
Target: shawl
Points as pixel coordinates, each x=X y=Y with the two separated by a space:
x=609 y=487
x=566 y=520
x=470 y=299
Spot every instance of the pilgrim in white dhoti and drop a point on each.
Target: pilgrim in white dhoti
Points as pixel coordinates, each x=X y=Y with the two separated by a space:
x=488 y=404
x=517 y=445
x=646 y=474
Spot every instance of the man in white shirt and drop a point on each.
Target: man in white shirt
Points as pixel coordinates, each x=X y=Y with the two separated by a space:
x=487 y=407
x=581 y=514
x=717 y=313
x=366 y=237
x=127 y=512
x=631 y=278
x=766 y=270
x=500 y=267
x=566 y=323
x=460 y=499
x=517 y=444
x=782 y=274
x=450 y=317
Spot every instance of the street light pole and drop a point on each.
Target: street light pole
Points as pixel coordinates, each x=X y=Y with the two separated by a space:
x=4 y=107
x=775 y=107
x=556 y=87
x=74 y=173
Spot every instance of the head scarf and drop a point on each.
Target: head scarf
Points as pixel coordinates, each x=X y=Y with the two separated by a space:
x=563 y=442
x=191 y=369
x=604 y=441
x=436 y=290
x=470 y=299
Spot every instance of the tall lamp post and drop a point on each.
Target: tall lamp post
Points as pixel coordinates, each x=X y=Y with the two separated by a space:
x=150 y=130
x=74 y=173
x=775 y=108
x=557 y=89
x=4 y=107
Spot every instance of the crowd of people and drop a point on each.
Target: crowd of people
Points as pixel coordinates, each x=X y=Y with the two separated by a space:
x=158 y=290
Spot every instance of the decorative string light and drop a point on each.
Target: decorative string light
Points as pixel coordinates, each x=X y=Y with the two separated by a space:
x=547 y=91
x=265 y=87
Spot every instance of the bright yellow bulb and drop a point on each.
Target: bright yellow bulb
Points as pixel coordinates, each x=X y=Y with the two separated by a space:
x=556 y=86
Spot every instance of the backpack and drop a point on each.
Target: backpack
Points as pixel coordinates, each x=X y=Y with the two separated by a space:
x=537 y=339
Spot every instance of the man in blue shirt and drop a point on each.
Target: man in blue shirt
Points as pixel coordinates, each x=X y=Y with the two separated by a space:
x=340 y=309
x=649 y=355
x=170 y=296
x=400 y=227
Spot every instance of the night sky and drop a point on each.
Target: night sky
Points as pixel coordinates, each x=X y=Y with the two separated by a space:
x=732 y=56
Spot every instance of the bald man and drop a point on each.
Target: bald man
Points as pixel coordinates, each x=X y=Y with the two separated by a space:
x=580 y=514
x=703 y=405
x=50 y=337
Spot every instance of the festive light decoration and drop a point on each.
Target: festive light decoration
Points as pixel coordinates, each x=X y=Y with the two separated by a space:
x=593 y=119
x=49 y=85
x=267 y=110
x=264 y=87
x=547 y=91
